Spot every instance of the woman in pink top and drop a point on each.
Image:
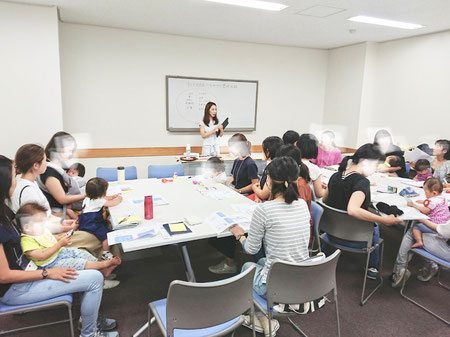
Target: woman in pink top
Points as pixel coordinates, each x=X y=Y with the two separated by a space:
x=328 y=153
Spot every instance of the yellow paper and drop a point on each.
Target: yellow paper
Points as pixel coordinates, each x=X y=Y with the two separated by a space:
x=177 y=227
x=129 y=220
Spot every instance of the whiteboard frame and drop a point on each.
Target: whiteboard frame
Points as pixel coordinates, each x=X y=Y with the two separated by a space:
x=208 y=79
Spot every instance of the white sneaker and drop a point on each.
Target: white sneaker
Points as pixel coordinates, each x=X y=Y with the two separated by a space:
x=223 y=268
x=100 y=333
x=111 y=276
x=265 y=324
x=109 y=284
x=248 y=323
x=397 y=278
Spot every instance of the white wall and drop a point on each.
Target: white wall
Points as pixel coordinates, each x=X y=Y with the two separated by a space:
x=113 y=83
x=343 y=92
x=30 y=91
x=410 y=93
x=400 y=85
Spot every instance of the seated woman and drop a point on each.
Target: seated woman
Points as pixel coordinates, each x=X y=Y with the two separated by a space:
x=349 y=190
x=270 y=147
x=437 y=243
x=441 y=162
x=244 y=176
x=308 y=145
x=383 y=139
x=282 y=223
x=54 y=182
x=19 y=287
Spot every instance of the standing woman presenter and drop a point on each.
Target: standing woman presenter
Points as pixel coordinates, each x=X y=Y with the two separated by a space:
x=209 y=126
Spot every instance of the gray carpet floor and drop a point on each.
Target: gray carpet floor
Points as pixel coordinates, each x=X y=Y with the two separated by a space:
x=146 y=277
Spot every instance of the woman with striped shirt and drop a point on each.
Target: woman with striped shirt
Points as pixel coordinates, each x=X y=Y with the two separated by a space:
x=282 y=223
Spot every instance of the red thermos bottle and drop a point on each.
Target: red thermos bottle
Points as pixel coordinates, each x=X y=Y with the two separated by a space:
x=148 y=207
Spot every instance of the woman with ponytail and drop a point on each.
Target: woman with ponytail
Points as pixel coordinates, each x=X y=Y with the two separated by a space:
x=282 y=223
x=349 y=190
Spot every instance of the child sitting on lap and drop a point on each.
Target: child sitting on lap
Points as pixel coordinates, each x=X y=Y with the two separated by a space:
x=435 y=206
x=91 y=219
x=40 y=246
x=391 y=165
x=215 y=170
x=423 y=169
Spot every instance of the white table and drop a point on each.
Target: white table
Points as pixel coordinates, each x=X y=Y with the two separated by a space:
x=184 y=200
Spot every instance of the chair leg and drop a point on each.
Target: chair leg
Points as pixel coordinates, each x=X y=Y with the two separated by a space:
x=380 y=267
x=296 y=327
x=402 y=293
x=149 y=330
x=252 y=317
x=337 y=312
x=69 y=308
x=439 y=280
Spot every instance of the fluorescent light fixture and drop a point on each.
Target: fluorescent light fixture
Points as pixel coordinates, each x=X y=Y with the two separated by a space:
x=270 y=6
x=384 y=22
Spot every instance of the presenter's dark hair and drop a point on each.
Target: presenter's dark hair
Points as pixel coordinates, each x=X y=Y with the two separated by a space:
x=283 y=172
x=206 y=116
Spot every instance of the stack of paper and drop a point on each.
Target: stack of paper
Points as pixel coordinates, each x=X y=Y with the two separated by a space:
x=127 y=222
x=220 y=222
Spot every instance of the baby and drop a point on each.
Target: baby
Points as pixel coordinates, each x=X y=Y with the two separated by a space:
x=41 y=247
x=423 y=169
x=215 y=169
x=77 y=172
x=391 y=165
x=435 y=206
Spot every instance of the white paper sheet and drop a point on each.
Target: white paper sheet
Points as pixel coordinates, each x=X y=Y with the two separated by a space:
x=417 y=154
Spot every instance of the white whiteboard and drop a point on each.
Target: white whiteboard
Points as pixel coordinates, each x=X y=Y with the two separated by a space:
x=186 y=98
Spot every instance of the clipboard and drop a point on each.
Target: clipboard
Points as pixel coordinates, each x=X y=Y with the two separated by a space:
x=225 y=124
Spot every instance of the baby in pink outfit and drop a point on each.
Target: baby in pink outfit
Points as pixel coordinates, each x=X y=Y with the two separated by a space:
x=435 y=206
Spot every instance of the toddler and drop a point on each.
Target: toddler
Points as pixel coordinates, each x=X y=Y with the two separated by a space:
x=91 y=219
x=215 y=169
x=435 y=206
x=41 y=247
x=423 y=169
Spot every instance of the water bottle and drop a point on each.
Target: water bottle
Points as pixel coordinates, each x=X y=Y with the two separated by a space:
x=121 y=174
x=148 y=207
x=188 y=150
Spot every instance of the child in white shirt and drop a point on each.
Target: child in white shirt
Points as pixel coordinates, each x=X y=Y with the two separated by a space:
x=215 y=169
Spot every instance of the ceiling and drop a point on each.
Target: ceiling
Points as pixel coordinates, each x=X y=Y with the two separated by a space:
x=212 y=20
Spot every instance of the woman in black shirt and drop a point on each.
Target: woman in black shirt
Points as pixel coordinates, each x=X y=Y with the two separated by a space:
x=349 y=190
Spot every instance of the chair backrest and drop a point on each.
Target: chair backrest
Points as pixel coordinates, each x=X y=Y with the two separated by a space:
x=165 y=171
x=201 y=305
x=110 y=173
x=316 y=214
x=339 y=224
x=295 y=283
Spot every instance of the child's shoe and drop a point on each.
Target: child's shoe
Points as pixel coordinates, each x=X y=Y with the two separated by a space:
x=107 y=255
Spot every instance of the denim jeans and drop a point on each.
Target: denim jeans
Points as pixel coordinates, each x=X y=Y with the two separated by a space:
x=89 y=283
x=374 y=259
x=258 y=285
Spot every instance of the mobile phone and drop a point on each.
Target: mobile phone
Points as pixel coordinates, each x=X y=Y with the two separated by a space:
x=70 y=233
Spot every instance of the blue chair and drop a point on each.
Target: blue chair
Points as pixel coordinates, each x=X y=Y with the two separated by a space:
x=407 y=169
x=316 y=214
x=298 y=283
x=110 y=173
x=339 y=224
x=165 y=171
x=204 y=309
x=428 y=256
x=65 y=300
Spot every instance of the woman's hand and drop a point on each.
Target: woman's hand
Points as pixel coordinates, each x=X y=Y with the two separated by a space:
x=392 y=220
x=236 y=230
x=62 y=274
x=419 y=201
x=221 y=127
x=257 y=199
x=410 y=203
